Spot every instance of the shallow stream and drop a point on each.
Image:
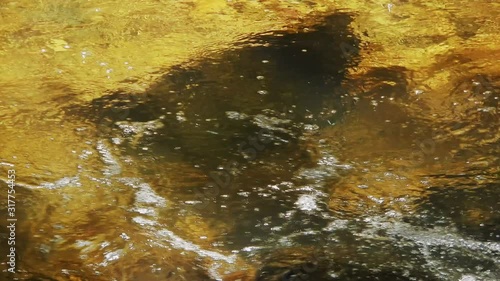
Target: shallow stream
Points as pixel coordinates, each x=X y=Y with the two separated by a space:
x=326 y=141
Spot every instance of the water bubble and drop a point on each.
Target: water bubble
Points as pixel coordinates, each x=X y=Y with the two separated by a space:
x=262 y=92
x=468 y=278
x=180 y=116
x=389 y=7
x=307 y=203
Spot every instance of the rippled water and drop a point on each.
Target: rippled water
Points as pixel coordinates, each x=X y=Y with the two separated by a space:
x=351 y=144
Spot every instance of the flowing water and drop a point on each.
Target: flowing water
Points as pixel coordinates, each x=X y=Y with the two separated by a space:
x=250 y=140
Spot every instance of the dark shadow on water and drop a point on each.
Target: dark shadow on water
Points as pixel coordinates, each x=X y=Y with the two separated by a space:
x=473 y=210
x=277 y=82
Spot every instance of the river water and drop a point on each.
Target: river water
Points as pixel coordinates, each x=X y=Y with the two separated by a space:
x=250 y=140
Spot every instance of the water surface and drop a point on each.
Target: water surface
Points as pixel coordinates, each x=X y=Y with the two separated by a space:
x=349 y=142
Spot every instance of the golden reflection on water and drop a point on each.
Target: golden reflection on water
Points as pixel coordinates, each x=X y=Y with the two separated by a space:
x=60 y=53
